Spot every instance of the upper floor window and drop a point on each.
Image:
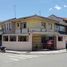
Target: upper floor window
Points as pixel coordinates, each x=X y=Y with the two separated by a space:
x=62 y=28
x=9 y=26
x=57 y=28
x=17 y=24
x=43 y=24
x=23 y=25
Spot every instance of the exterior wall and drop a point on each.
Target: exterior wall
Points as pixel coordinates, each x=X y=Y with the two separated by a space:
x=8 y=27
x=19 y=45
x=60 y=44
x=34 y=24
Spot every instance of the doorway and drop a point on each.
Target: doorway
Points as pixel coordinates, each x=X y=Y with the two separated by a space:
x=48 y=42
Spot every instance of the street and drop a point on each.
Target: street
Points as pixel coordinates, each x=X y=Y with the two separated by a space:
x=22 y=60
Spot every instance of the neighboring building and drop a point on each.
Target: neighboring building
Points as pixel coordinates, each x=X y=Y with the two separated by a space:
x=60 y=27
x=33 y=32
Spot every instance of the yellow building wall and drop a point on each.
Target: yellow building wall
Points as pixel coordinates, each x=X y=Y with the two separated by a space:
x=35 y=22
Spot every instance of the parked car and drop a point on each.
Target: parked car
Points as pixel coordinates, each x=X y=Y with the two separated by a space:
x=50 y=44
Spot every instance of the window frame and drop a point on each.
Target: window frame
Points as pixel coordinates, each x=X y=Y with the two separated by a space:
x=22 y=40
x=23 y=25
x=5 y=39
x=13 y=37
x=43 y=24
x=60 y=38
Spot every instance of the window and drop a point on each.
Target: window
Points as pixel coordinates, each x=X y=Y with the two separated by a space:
x=23 y=25
x=44 y=24
x=22 y=38
x=12 y=38
x=5 y=38
x=57 y=28
x=62 y=28
x=60 y=38
x=17 y=24
x=9 y=26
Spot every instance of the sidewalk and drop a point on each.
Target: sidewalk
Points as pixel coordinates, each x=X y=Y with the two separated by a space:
x=37 y=52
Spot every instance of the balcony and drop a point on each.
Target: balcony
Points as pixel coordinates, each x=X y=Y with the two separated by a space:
x=37 y=30
x=32 y=30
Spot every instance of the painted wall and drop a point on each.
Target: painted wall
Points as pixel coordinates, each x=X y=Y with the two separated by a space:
x=34 y=23
x=19 y=45
x=61 y=44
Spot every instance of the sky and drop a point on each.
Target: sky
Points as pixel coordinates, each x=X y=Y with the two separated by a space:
x=21 y=8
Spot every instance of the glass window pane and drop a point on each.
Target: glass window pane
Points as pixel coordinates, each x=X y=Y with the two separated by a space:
x=22 y=38
x=5 y=38
x=12 y=38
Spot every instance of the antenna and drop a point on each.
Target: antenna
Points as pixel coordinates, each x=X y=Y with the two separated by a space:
x=40 y=12
x=15 y=11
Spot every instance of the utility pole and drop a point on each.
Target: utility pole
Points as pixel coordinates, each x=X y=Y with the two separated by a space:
x=14 y=11
x=39 y=12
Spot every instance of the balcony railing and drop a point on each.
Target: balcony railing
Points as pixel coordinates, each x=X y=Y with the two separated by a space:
x=37 y=30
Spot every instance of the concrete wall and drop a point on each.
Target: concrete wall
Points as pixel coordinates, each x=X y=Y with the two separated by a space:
x=60 y=44
x=18 y=45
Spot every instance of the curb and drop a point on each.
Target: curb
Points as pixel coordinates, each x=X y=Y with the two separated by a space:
x=36 y=52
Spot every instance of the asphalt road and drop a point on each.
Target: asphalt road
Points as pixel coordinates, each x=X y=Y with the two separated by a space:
x=15 y=60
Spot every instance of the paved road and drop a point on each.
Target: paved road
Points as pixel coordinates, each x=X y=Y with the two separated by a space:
x=15 y=60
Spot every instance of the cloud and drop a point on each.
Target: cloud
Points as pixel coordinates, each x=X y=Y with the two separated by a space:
x=50 y=9
x=65 y=5
x=58 y=7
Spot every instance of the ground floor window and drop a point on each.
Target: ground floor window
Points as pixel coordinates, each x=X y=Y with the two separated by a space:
x=60 y=38
x=5 y=38
x=22 y=38
x=12 y=38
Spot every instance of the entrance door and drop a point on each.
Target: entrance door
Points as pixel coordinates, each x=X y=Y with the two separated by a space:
x=36 y=40
x=0 y=40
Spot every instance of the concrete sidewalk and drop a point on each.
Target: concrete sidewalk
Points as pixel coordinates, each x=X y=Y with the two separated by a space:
x=37 y=52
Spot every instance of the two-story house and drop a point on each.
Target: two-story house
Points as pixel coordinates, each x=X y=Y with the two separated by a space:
x=30 y=33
